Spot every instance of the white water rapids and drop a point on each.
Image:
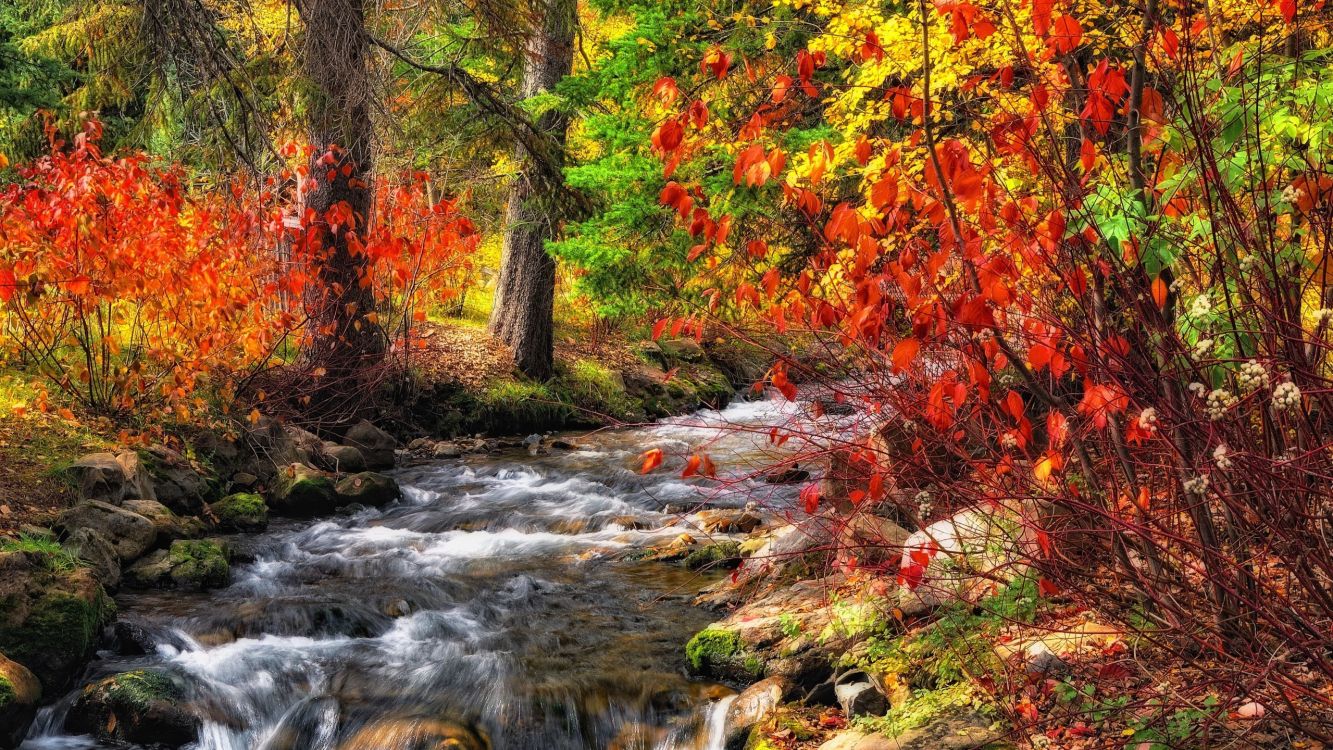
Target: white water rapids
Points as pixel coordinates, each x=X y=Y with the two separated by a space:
x=495 y=600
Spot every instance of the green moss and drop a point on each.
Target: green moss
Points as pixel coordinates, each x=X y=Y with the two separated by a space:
x=136 y=691
x=595 y=388
x=242 y=510
x=722 y=554
x=719 y=653
x=61 y=627
x=7 y=692
x=199 y=563
x=924 y=707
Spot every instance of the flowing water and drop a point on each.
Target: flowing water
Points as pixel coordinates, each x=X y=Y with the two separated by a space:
x=500 y=598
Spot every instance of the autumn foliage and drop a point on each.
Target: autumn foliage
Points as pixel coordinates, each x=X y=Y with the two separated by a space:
x=135 y=293
x=1067 y=278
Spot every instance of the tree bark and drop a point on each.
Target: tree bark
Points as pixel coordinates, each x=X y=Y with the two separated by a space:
x=346 y=339
x=522 y=316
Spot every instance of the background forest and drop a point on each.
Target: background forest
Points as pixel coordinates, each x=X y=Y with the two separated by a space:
x=1065 y=262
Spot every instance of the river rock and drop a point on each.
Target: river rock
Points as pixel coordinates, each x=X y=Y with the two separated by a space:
x=177 y=482
x=419 y=733
x=367 y=488
x=303 y=491
x=721 y=555
x=678 y=350
x=964 y=553
x=789 y=475
x=138 y=480
x=144 y=707
x=445 y=449
x=129 y=533
x=343 y=459
x=169 y=525
x=755 y=704
x=20 y=693
x=98 y=476
x=375 y=444
x=243 y=511
x=963 y=730
x=190 y=564
x=727 y=521
x=97 y=552
x=50 y=617
x=858 y=696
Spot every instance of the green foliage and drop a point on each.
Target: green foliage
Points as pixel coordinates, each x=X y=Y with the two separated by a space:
x=592 y=386
x=52 y=555
x=712 y=648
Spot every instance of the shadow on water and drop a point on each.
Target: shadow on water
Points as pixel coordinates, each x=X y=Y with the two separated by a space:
x=493 y=607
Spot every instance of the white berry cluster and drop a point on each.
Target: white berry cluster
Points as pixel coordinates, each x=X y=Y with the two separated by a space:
x=1286 y=396
x=1148 y=419
x=1197 y=485
x=1198 y=389
x=1201 y=306
x=1202 y=347
x=1221 y=457
x=1220 y=400
x=1252 y=376
x=1009 y=441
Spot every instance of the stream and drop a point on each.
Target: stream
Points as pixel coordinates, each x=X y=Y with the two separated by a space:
x=498 y=604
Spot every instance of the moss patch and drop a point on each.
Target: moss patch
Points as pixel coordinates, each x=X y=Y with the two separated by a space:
x=60 y=627
x=923 y=708
x=242 y=511
x=719 y=555
x=136 y=691
x=719 y=653
x=7 y=692
x=199 y=564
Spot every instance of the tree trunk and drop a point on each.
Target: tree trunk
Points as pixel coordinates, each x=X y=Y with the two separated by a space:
x=525 y=291
x=338 y=200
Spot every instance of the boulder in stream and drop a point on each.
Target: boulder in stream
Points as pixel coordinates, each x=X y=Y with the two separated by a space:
x=303 y=491
x=242 y=511
x=19 y=694
x=143 y=706
x=169 y=525
x=95 y=550
x=98 y=476
x=755 y=704
x=190 y=564
x=367 y=488
x=415 y=732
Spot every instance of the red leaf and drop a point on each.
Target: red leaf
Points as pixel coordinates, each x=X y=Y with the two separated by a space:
x=1066 y=35
x=8 y=285
x=659 y=327
x=651 y=460
x=810 y=497
x=904 y=352
x=691 y=466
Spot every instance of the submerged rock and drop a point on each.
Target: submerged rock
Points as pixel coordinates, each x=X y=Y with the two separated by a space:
x=423 y=733
x=143 y=707
x=719 y=555
x=243 y=511
x=190 y=564
x=20 y=693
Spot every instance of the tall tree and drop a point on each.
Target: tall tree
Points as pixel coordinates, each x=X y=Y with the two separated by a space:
x=338 y=200
x=525 y=291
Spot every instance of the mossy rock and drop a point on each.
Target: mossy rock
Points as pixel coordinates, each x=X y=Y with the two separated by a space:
x=143 y=706
x=367 y=488
x=190 y=564
x=243 y=511
x=719 y=653
x=20 y=693
x=720 y=555
x=303 y=491
x=50 y=621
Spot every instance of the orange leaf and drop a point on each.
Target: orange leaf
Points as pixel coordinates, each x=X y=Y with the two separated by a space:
x=904 y=352
x=651 y=460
